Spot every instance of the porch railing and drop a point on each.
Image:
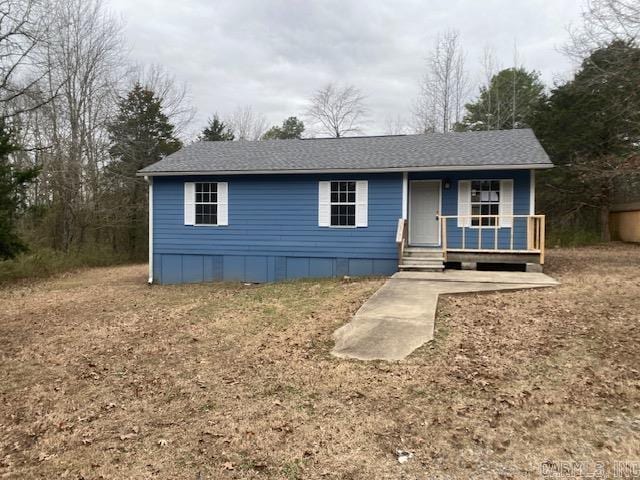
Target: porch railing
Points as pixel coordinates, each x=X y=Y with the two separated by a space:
x=484 y=234
x=487 y=233
x=401 y=237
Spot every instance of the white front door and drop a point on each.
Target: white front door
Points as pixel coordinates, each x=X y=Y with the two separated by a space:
x=424 y=208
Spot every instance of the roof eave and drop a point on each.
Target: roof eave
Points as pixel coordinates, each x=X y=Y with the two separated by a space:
x=527 y=166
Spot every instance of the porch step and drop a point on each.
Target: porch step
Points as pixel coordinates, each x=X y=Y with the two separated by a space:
x=435 y=254
x=422 y=259
x=421 y=268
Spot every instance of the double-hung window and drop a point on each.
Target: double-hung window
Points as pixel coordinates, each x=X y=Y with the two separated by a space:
x=206 y=203
x=343 y=204
x=485 y=200
x=485 y=203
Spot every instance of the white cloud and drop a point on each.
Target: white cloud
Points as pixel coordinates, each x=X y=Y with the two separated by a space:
x=273 y=54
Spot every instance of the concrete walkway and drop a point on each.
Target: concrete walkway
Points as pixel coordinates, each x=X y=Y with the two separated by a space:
x=400 y=316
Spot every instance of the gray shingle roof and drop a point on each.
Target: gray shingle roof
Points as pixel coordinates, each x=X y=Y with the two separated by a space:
x=400 y=152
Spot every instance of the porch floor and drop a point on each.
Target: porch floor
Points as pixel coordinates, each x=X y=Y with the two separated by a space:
x=400 y=316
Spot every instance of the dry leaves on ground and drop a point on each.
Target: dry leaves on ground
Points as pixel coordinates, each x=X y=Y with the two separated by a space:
x=106 y=377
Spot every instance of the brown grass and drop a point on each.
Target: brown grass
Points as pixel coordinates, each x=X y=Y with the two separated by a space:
x=106 y=377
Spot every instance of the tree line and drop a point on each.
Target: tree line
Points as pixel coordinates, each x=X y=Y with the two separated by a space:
x=77 y=120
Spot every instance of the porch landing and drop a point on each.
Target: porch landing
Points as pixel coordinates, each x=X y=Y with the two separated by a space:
x=400 y=316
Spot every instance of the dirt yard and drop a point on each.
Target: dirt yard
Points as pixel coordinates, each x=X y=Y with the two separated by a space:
x=104 y=377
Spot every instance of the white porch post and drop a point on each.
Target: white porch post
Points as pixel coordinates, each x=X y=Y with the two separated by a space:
x=405 y=194
x=532 y=192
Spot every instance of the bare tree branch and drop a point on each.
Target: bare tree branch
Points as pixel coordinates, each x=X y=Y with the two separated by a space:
x=396 y=125
x=604 y=21
x=444 y=87
x=246 y=124
x=175 y=96
x=337 y=110
x=24 y=30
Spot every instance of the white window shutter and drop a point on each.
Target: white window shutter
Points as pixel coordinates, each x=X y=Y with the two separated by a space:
x=324 y=206
x=506 y=203
x=464 y=203
x=223 y=203
x=189 y=203
x=362 y=203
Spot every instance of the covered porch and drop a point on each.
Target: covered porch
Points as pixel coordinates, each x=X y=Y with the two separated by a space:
x=490 y=244
x=469 y=217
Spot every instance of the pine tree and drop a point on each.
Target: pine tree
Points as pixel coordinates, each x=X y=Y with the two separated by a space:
x=217 y=131
x=513 y=93
x=140 y=135
x=12 y=184
x=590 y=126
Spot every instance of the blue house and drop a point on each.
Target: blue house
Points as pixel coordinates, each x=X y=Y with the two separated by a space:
x=281 y=209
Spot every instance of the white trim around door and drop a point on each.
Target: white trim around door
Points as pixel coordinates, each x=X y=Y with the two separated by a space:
x=436 y=215
x=405 y=195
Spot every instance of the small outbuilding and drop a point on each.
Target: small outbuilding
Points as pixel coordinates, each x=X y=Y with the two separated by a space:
x=624 y=222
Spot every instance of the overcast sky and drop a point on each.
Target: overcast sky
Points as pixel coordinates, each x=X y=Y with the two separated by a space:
x=272 y=54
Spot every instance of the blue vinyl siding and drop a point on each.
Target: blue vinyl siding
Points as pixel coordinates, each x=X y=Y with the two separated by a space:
x=521 y=198
x=273 y=231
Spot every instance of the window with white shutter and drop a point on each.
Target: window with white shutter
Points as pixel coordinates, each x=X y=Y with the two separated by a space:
x=206 y=203
x=223 y=203
x=506 y=203
x=189 y=203
x=489 y=202
x=343 y=203
x=362 y=203
x=464 y=203
x=324 y=205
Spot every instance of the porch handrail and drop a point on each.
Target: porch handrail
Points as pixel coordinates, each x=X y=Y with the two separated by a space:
x=535 y=225
x=401 y=237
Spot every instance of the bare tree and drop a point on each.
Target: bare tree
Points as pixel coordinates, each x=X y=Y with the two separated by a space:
x=490 y=67
x=246 y=124
x=395 y=125
x=337 y=110
x=514 y=90
x=605 y=45
x=84 y=55
x=445 y=85
x=62 y=67
x=604 y=21
x=175 y=95
x=23 y=33
x=461 y=87
x=424 y=112
x=614 y=26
